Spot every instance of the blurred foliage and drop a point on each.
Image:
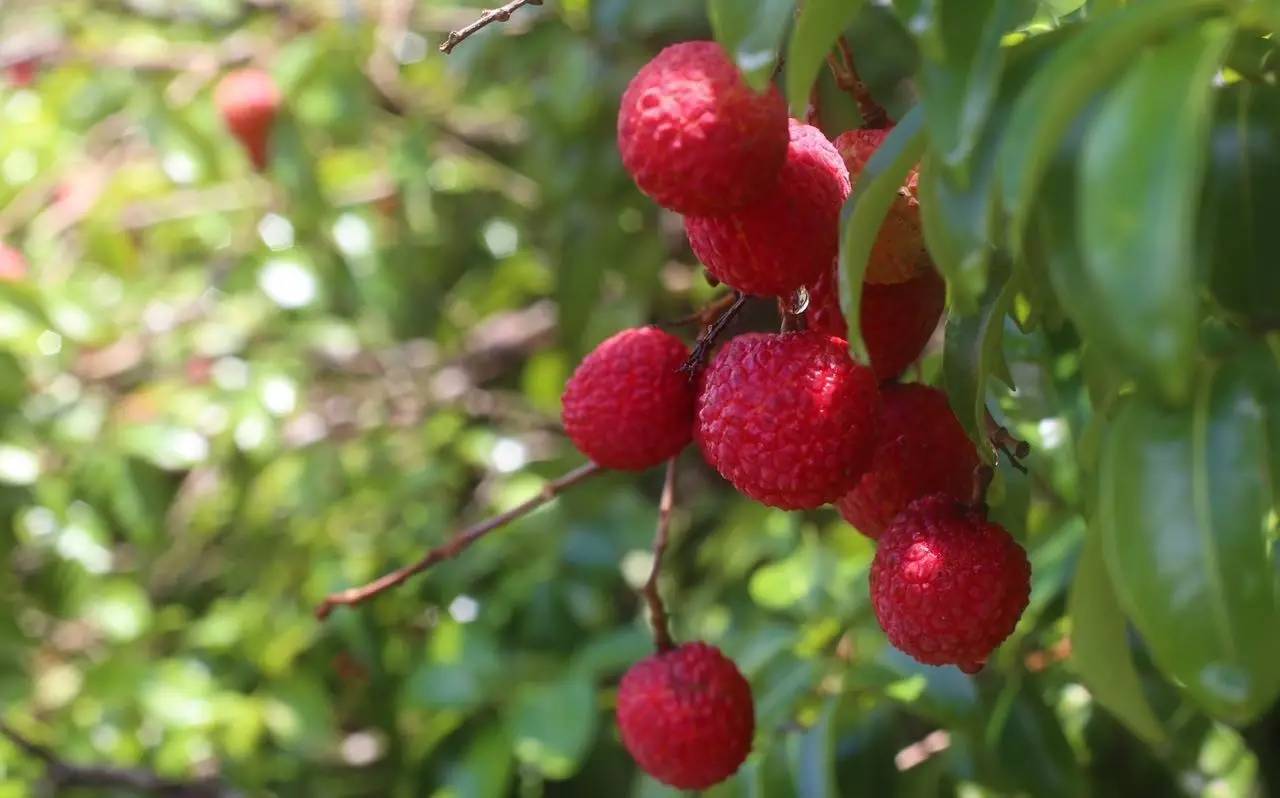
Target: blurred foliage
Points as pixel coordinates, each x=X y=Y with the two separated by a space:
x=227 y=394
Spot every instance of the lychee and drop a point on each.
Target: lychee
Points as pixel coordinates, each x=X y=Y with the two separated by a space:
x=922 y=450
x=628 y=406
x=248 y=100
x=898 y=253
x=695 y=137
x=686 y=716
x=947 y=585
x=789 y=419
x=789 y=236
x=13 y=266
x=898 y=319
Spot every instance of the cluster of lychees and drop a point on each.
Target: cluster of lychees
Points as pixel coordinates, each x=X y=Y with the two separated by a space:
x=790 y=419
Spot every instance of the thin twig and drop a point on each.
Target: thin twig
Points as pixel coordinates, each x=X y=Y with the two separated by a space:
x=60 y=774
x=456 y=545
x=708 y=337
x=846 y=74
x=501 y=14
x=657 y=610
x=1002 y=440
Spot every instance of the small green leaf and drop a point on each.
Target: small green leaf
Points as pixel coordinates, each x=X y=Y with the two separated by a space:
x=817 y=27
x=959 y=79
x=865 y=210
x=552 y=726
x=751 y=32
x=1081 y=67
x=1141 y=166
x=1183 y=502
x=1100 y=647
x=973 y=352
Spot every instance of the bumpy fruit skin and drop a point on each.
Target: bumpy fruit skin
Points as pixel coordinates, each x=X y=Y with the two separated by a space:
x=947 y=585
x=922 y=451
x=789 y=419
x=695 y=137
x=898 y=319
x=627 y=406
x=248 y=100
x=686 y=716
x=899 y=252
x=13 y=267
x=789 y=236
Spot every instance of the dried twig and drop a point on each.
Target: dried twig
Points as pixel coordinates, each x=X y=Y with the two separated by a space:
x=1004 y=441
x=846 y=75
x=658 y=611
x=708 y=337
x=456 y=545
x=486 y=19
x=61 y=775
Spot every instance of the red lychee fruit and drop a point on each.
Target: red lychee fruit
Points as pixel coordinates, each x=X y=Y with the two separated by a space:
x=898 y=319
x=899 y=252
x=695 y=137
x=248 y=100
x=686 y=716
x=628 y=406
x=789 y=419
x=789 y=236
x=13 y=266
x=922 y=451
x=22 y=73
x=948 y=586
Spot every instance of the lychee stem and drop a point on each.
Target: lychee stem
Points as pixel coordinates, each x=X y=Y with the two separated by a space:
x=1002 y=440
x=457 y=544
x=982 y=476
x=658 y=618
x=501 y=14
x=707 y=339
x=846 y=75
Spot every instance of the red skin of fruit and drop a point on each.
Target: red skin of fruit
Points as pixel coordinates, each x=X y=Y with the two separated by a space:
x=790 y=235
x=899 y=252
x=686 y=716
x=23 y=73
x=695 y=137
x=789 y=419
x=922 y=451
x=13 y=267
x=898 y=319
x=627 y=406
x=248 y=100
x=948 y=586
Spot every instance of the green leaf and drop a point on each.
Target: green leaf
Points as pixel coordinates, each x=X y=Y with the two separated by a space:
x=484 y=771
x=811 y=754
x=865 y=211
x=1141 y=167
x=1082 y=66
x=817 y=27
x=751 y=32
x=972 y=352
x=1183 y=502
x=960 y=76
x=552 y=725
x=1030 y=746
x=1240 y=205
x=1100 y=648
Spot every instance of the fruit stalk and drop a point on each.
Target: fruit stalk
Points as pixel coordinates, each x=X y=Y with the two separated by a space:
x=657 y=610
x=501 y=14
x=456 y=545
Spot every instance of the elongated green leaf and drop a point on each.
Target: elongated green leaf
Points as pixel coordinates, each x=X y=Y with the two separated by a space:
x=1140 y=174
x=959 y=78
x=816 y=29
x=865 y=210
x=1182 y=510
x=811 y=754
x=751 y=32
x=972 y=353
x=1057 y=93
x=1030 y=747
x=1100 y=648
x=552 y=725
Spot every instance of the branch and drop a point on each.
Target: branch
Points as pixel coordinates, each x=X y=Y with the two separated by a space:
x=486 y=19
x=657 y=611
x=708 y=337
x=846 y=75
x=1002 y=440
x=456 y=545
x=60 y=774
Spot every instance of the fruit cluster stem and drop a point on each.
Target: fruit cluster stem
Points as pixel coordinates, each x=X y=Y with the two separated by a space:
x=1004 y=441
x=457 y=544
x=658 y=618
x=500 y=14
x=708 y=337
x=846 y=74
